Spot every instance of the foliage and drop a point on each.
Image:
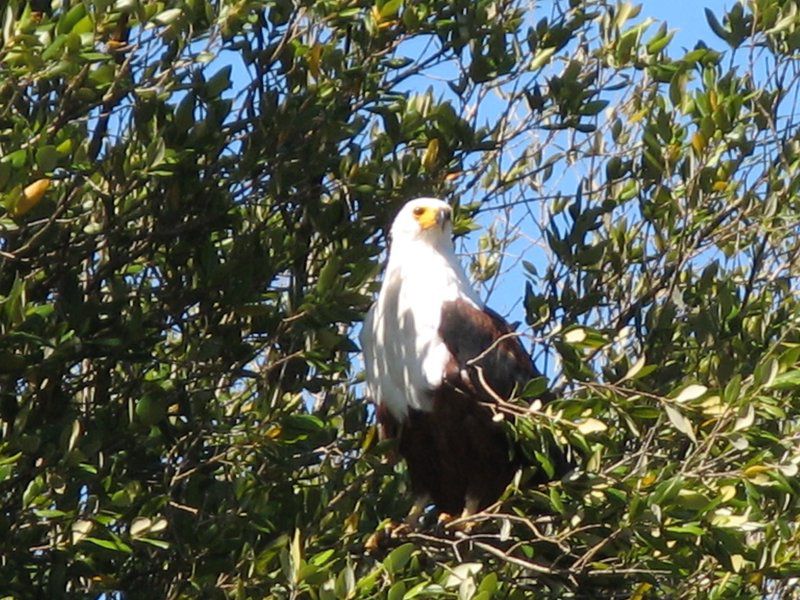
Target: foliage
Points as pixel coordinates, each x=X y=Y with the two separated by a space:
x=192 y=204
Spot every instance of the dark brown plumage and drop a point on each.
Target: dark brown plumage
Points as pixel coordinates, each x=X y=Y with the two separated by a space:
x=457 y=452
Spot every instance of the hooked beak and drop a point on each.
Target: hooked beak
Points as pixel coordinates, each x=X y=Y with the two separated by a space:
x=443 y=217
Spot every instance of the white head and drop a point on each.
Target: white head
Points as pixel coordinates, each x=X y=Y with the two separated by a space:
x=424 y=219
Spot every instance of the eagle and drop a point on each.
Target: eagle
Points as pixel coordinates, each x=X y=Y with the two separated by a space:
x=437 y=361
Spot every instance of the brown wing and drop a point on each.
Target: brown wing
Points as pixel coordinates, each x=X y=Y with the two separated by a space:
x=487 y=354
x=485 y=350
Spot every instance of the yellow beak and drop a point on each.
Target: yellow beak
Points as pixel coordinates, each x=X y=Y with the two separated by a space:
x=431 y=218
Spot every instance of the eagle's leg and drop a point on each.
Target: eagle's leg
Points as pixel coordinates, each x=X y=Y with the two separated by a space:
x=470 y=507
x=412 y=518
x=461 y=523
x=398 y=530
x=411 y=522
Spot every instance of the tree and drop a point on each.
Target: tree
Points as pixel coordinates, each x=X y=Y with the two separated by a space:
x=194 y=201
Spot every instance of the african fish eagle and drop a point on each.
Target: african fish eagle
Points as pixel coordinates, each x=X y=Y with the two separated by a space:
x=436 y=359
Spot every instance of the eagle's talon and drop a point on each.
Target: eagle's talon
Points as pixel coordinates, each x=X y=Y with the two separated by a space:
x=390 y=531
x=448 y=523
x=399 y=530
x=444 y=519
x=375 y=541
x=462 y=527
x=455 y=524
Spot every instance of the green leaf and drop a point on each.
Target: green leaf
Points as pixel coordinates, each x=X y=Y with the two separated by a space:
x=555 y=501
x=398 y=558
x=345 y=582
x=328 y=274
x=168 y=16
x=390 y=8
x=660 y=40
x=397 y=591
x=594 y=107
x=534 y=388
x=5 y=471
x=85 y=25
x=542 y=58
x=691 y=530
x=32 y=492
x=116 y=545
x=786 y=381
x=219 y=82
x=634 y=369
x=488 y=584
x=716 y=26
x=49 y=514
x=71 y=18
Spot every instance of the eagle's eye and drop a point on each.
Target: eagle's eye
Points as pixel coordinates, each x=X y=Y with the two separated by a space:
x=419 y=211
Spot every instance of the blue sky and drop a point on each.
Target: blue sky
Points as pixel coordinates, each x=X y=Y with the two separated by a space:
x=687 y=17
x=687 y=20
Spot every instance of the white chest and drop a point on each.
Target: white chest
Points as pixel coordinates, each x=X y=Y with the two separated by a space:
x=407 y=357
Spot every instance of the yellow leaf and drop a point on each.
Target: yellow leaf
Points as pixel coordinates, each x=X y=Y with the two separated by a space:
x=648 y=480
x=431 y=155
x=712 y=99
x=698 y=142
x=680 y=422
x=74 y=434
x=754 y=470
x=642 y=591
x=296 y=553
x=31 y=196
x=369 y=438
x=726 y=518
x=746 y=420
x=673 y=152
x=726 y=492
x=590 y=425
x=314 y=56
x=637 y=116
x=712 y=406
x=351 y=523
